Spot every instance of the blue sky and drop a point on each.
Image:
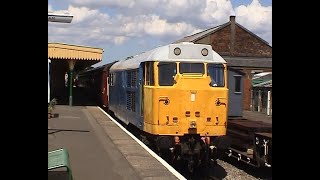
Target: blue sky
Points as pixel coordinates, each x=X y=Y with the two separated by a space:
x=128 y=27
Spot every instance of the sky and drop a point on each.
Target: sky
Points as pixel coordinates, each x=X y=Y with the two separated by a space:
x=124 y=28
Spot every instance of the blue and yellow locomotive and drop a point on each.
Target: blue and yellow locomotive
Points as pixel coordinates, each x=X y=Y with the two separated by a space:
x=177 y=96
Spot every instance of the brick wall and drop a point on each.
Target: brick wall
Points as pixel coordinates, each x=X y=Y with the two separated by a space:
x=245 y=44
x=248 y=45
x=247 y=90
x=220 y=41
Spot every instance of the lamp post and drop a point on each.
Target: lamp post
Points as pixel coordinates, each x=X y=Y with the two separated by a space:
x=71 y=67
x=62 y=18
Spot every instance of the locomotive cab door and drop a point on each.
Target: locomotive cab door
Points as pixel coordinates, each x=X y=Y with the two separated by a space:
x=141 y=86
x=166 y=71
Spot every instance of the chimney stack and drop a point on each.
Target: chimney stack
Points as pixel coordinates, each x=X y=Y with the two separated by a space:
x=233 y=33
x=232 y=19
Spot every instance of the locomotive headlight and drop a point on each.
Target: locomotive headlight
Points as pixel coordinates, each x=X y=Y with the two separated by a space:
x=193 y=124
x=204 y=51
x=177 y=51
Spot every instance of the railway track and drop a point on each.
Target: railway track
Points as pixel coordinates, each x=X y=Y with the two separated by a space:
x=230 y=170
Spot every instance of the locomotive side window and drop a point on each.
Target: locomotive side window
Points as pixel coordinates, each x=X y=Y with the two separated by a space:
x=216 y=73
x=149 y=74
x=167 y=71
x=191 y=68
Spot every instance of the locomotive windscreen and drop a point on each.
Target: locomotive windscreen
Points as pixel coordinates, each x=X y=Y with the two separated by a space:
x=216 y=73
x=191 y=68
x=167 y=71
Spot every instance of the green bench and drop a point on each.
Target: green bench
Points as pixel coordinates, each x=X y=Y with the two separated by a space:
x=59 y=159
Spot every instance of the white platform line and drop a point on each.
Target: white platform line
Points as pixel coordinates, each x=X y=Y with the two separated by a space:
x=163 y=162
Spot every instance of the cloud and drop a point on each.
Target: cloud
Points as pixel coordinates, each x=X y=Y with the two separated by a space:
x=93 y=26
x=216 y=12
x=155 y=26
x=188 y=11
x=119 y=40
x=113 y=22
x=50 y=8
x=103 y=3
x=256 y=18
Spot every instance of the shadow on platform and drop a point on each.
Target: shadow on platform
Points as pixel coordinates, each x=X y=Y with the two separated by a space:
x=80 y=97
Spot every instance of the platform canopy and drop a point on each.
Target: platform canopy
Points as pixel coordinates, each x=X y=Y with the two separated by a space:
x=83 y=55
x=66 y=61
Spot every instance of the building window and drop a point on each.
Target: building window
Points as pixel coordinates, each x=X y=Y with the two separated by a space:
x=216 y=73
x=237 y=86
x=149 y=74
x=167 y=71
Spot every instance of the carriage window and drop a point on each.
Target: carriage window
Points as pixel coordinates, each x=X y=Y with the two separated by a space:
x=191 y=68
x=149 y=74
x=216 y=73
x=111 y=79
x=167 y=71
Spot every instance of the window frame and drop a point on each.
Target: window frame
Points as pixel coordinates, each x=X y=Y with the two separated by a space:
x=173 y=74
x=237 y=77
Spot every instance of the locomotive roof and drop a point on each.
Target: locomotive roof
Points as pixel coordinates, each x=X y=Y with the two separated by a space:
x=189 y=53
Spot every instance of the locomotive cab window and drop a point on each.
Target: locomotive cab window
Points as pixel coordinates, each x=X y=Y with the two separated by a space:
x=166 y=73
x=191 y=68
x=216 y=73
x=149 y=76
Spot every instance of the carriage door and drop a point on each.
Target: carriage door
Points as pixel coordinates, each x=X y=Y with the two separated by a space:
x=105 y=89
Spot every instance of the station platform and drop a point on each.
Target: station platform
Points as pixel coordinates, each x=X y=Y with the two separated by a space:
x=99 y=149
x=257 y=116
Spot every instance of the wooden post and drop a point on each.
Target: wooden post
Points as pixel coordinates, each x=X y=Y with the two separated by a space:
x=269 y=103
x=252 y=100
x=49 y=81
